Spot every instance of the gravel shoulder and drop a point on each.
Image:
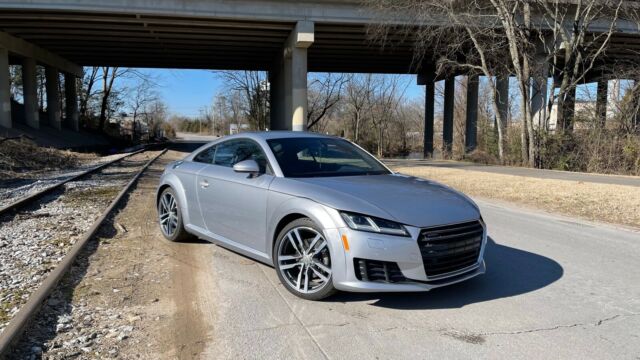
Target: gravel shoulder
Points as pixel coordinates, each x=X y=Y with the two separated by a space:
x=36 y=238
x=21 y=185
x=131 y=294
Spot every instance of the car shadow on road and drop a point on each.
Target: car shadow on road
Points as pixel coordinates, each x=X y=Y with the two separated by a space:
x=510 y=272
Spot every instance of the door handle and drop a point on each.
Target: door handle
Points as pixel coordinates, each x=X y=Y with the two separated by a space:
x=204 y=184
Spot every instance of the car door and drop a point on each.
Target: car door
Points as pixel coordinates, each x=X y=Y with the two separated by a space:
x=234 y=204
x=188 y=171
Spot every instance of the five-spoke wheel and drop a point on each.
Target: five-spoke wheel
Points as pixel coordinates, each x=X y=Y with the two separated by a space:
x=303 y=260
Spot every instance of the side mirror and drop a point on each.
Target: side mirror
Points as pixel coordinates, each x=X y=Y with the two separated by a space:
x=247 y=166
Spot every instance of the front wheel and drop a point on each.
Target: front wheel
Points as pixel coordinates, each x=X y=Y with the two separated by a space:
x=170 y=218
x=303 y=260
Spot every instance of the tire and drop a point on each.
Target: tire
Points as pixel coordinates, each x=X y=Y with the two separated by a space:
x=171 y=230
x=307 y=273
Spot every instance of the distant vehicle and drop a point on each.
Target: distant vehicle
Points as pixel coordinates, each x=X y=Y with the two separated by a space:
x=324 y=212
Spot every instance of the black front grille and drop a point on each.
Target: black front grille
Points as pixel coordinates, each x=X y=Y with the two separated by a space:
x=451 y=247
x=378 y=271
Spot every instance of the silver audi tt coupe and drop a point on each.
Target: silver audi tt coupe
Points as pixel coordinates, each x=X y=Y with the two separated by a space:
x=324 y=212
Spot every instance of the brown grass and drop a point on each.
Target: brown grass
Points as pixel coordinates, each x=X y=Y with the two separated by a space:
x=616 y=204
x=24 y=156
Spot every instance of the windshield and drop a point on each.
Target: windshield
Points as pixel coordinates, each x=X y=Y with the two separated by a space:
x=314 y=157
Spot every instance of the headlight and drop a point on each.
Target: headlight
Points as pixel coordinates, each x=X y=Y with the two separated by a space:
x=372 y=224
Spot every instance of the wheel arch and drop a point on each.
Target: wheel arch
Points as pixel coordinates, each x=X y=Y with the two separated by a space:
x=172 y=181
x=294 y=209
x=287 y=219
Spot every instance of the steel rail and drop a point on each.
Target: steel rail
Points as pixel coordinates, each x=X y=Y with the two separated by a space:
x=26 y=199
x=19 y=322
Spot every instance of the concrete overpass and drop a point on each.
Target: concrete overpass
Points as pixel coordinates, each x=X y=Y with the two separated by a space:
x=284 y=37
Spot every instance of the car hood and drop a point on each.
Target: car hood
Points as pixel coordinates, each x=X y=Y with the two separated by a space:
x=405 y=199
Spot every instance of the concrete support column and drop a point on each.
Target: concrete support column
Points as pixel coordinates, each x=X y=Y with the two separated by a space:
x=428 y=79
x=601 y=102
x=289 y=81
x=539 y=86
x=71 y=102
x=53 y=97
x=5 y=91
x=30 y=93
x=502 y=94
x=471 y=128
x=299 y=89
x=447 y=121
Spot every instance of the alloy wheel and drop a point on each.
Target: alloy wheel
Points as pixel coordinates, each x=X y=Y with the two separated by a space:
x=168 y=213
x=304 y=260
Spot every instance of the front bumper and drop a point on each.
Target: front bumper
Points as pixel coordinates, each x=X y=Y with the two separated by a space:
x=404 y=251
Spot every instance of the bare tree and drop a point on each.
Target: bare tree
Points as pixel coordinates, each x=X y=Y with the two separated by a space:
x=140 y=99
x=466 y=38
x=324 y=93
x=254 y=90
x=358 y=95
x=477 y=36
x=87 y=92
x=574 y=49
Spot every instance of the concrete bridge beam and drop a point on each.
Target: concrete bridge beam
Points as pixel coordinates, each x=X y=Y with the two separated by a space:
x=5 y=91
x=539 y=92
x=29 y=50
x=471 y=129
x=53 y=97
x=288 y=87
x=30 y=92
x=428 y=79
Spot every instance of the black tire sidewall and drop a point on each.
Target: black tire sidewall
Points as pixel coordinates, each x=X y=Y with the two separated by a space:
x=328 y=289
x=180 y=234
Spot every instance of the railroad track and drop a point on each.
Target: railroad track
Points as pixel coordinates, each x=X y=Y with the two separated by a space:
x=98 y=181
x=23 y=200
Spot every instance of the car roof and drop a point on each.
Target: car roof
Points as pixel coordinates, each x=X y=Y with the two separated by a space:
x=267 y=135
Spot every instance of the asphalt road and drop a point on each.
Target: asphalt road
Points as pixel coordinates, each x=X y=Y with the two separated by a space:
x=521 y=171
x=555 y=288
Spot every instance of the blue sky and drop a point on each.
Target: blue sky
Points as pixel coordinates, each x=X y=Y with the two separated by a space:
x=187 y=91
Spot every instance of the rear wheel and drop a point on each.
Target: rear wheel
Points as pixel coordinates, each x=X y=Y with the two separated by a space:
x=303 y=260
x=170 y=217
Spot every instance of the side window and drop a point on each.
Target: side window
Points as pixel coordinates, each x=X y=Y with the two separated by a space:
x=206 y=155
x=226 y=154
x=231 y=152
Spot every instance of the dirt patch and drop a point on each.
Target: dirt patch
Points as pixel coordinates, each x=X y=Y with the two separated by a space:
x=616 y=204
x=125 y=296
x=468 y=338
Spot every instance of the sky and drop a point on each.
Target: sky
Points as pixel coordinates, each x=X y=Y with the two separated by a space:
x=187 y=91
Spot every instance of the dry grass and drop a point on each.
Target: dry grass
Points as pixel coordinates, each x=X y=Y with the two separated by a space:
x=24 y=156
x=616 y=204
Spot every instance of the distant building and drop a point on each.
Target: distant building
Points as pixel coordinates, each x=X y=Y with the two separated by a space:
x=236 y=128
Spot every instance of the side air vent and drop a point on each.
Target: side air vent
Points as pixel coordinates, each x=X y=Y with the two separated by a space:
x=378 y=271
